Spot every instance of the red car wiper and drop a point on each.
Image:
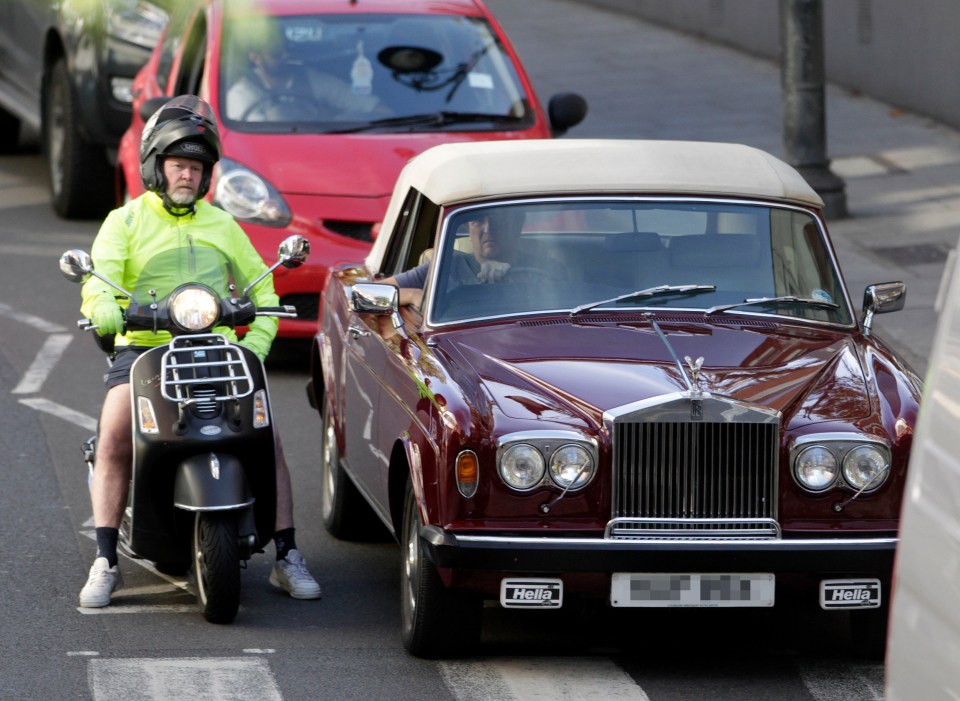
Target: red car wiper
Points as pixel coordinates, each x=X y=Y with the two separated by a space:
x=432 y=119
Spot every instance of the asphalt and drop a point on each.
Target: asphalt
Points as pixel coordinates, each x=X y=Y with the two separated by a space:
x=901 y=170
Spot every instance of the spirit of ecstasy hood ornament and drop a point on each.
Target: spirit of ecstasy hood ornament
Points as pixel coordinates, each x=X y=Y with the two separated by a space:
x=694 y=366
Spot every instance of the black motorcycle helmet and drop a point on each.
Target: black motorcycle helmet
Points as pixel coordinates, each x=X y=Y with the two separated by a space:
x=184 y=126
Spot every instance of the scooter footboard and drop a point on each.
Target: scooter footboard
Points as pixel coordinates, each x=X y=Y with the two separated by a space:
x=211 y=482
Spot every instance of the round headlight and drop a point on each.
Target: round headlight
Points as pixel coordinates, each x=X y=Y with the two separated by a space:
x=815 y=468
x=522 y=466
x=865 y=467
x=571 y=466
x=195 y=309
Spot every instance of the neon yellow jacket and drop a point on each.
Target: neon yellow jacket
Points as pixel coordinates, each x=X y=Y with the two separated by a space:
x=134 y=233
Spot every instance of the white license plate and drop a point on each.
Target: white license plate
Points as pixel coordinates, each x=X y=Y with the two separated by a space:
x=850 y=594
x=531 y=593
x=666 y=590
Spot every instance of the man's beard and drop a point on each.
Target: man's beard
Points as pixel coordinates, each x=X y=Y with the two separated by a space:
x=183 y=197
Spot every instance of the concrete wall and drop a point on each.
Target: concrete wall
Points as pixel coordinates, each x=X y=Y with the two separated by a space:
x=903 y=52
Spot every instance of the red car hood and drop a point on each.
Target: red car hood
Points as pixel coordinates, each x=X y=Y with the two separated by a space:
x=363 y=165
x=563 y=370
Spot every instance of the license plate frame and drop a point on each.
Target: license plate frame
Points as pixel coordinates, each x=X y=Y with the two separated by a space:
x=692 y=590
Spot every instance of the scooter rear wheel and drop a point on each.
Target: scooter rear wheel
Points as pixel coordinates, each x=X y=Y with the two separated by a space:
x=216 y=564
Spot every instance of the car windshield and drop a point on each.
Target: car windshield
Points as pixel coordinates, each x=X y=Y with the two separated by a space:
x=588 y=258
x=364 y=72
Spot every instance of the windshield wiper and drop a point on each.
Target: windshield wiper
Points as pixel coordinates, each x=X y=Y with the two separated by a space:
x=648 y=292
x=786 y=299
x=432 y=119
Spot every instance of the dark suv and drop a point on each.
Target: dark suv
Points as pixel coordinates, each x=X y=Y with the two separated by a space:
x=66 y=69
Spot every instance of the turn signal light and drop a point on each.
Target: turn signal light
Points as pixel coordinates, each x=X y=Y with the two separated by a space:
x=468 y=471
x=146 y=418
x=261 y=418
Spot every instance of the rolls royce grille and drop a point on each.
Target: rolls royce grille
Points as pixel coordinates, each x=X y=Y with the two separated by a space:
x=695 y=479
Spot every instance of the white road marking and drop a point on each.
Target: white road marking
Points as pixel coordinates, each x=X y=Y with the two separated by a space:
x=31 y=249
x=204 y=679
x=65 y=413
x=536 y=679
x=82 y=653
x=44 y=362
x=30 y=320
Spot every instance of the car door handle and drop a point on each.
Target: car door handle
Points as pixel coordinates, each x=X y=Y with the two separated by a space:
x=357 y=331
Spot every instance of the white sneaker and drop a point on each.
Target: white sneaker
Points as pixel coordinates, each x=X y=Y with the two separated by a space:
x=291 y=574
x=102 y=582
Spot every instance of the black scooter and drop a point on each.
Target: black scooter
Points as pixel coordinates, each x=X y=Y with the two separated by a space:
x=203 y=487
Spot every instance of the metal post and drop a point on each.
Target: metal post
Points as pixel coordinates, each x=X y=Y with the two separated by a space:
x=804 y=104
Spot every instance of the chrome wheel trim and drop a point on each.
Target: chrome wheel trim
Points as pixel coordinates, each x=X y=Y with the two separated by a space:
x=198 y=562
x=411 y=564
x=329 y=469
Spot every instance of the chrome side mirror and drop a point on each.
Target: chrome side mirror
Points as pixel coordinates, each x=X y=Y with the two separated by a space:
x=377 y=298
x=76 y=265
x=293 y=251
x=882 y=298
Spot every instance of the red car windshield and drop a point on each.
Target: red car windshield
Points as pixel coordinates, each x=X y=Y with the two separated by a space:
x=350 y=73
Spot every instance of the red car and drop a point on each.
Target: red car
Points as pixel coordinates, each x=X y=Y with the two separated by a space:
x=321 y=103
x=635 y=374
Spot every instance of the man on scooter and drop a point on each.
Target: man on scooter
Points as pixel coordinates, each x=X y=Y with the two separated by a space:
x=179 y=146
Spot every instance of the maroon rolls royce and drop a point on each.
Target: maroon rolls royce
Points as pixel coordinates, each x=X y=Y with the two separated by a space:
x=620 y=369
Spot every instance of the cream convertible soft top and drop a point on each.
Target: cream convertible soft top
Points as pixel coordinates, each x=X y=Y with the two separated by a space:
x=463 y=172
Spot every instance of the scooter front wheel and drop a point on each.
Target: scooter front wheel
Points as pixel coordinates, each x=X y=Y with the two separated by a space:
x=216 y=564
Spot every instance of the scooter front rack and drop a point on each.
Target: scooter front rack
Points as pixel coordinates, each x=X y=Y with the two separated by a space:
x=207 y=360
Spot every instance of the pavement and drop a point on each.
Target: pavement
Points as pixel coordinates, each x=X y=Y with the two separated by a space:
x=901 y=170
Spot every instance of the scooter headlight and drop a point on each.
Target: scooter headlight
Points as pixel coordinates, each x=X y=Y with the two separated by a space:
x=194 y=308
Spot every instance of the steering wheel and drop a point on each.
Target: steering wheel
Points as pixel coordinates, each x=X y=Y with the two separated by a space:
x=531 y=270
x=295 y=103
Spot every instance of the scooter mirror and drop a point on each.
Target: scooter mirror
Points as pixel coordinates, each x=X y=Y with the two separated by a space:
x=76 y=265
x=293 y=251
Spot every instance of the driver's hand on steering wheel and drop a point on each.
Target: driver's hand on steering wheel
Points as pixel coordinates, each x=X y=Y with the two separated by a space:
x=492 y=271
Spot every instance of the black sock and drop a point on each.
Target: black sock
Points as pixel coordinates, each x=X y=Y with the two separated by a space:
x=284 y=541
x=107 y=544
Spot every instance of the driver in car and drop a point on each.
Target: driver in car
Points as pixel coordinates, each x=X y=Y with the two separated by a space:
x=277 y=88
x=494 y=251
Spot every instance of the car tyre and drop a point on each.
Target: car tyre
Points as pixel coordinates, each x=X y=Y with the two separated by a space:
x=436 y=622
x=345 y=513
x=81 y=179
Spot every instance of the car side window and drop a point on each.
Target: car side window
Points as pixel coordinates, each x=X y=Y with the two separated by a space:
x=190 y=72
x=414 y=233
x=170 y=46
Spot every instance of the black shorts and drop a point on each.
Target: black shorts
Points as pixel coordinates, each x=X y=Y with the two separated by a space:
x=119 y=372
